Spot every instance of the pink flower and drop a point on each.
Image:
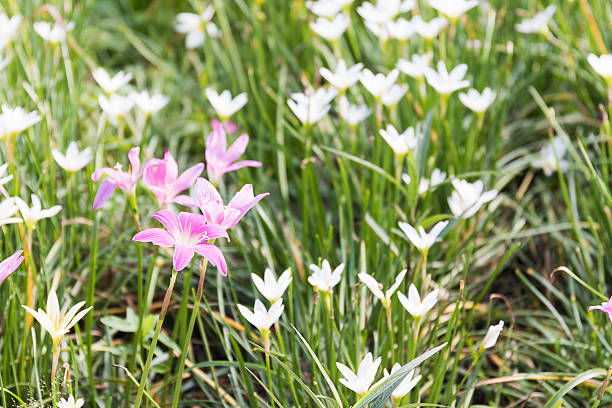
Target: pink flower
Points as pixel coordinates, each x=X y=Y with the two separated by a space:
x=161 y=176
x=125 y=180
x=219 y=158
x=9 y=265
x=606 y=307
x=187 y=233
x=210 y=202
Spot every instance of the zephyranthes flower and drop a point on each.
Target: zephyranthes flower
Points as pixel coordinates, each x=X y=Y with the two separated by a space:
x=550 y=155
x=271 y=288
x=70 y=403
x=263 y=318
x=187 y=233
x=604 y=307
x=405 y=386
x=537 y=24
x=312 y=105
x=224 y=104
x=421 y=239
x=53 y=33
x=323 y=279
x=478 y=102
x=602 y=65
x=31 y=215
x=15 y=120
x=110 y=84
x=331 y=29
x=149 y=104
x=376 y=288
x=10 y=265
x=467 y=198
x=342 y=77
x=8 y=208
x=361 y=381
x=73 y=160
x=413 y=303
x=492 y=334
x=445 y=82
x=125 y=180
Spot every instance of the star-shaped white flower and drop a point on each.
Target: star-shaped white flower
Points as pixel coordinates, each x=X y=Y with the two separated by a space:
x=376 y=288
x=53 y=33
x=8 y=208
x=342 y=77
x=492 y=335
x=31 y=215
x=548 y=155
x=445 y=82
x=15 y=120
x=407 y=383
x=73 y=160
x=261 y=317
x=384 y=10
x=378 y=84
x=453 y=9
x=361 y=381
x=416 y=66
x=333 y=29
x=117 y=105
x=9 y=27
x=537 y=24
x=467 y=198
x=325 y=8
x=271 y=288
x=476 y=101
x=311 y=106
x=394 y=95
x=400 y=143
x=419 y=237
x=413 y=303
x=602 y=65
x=224 y=104
x=149 y=104
x=352 y=114
x=110 y=84
x=70 y=403
x=429 y=29
x=323 y=279
x=196 y=26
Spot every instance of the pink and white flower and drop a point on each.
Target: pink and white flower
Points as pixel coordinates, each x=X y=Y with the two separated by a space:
x=125 y=180
x=10 y=265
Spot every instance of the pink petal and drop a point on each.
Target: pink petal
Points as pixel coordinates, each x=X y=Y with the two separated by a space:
x=134 y=156
x=171 y=167
x=185 y=200
x=237 y=149
x=10 y=264
x=169 y=220
x=205 y=192
x=157 y=236
x=193 y=224
x=188 y=177
x=216 y=143
x=154 y=172
x=241 y=164
x=104 y=192
x=182 y=257
x=214 y=256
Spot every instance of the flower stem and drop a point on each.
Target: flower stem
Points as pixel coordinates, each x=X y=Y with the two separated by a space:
x=160 y=321
x=56 y=353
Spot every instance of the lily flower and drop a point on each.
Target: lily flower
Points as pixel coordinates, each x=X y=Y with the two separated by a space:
x=476 y=101
x=53 y=33
x=187 y=233
x=162 y=178
x=415 y=67
x=384 y=10
x=263 y=318
x=110 y=84
x=224 y=104
x=8 y=208
x=117 y=105
x=70 y=403
x=602 y=65
x=445 y=82
x=271 y=288
x=421 y=239
x=405 y=386
x=15 y=120
x=54 y=321
x=394 y=95
x=401 y=29
x=342 y=78
x=219 y=158
x=73 y=160
x=400 y=143
x=378 y=84
x=352 y=114
x=211 y=204
x=548 y=155
x=492 y=335
x=537 y=24
x=9 y=27
x=312 y=105
x=467 y=198
x=605 y=307
x=31 y=215
x=376 y=288
x=149 y=104
x=453 y=9
x=125 y=180
x=332 y=29
x=429 y=29
x=323 y=279
x=195 y=25
x=10 y=265
x=361 y=381
x=413 y=303
x=324 y=8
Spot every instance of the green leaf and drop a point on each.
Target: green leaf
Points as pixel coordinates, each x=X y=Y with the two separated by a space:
x=579 y=379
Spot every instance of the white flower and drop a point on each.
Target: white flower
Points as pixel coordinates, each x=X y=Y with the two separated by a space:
x=537 y=24
x=31 y=215
x=333 y=29
x=407 y=383
x=323 y=279
x=71 y=403
x=271 y=288
x=212 y=30
x=311 y=106
x=149 y=104
x=380 y=30
x=54 y=321
x=393 y=95
x=602 y=65
x=110 y=84
x=476 y=101
x=413 y=303
x=401 y=29
x=547 y=160
x=16 y=120
x=400 y=143
x=429 y=29
x=376 y=288
x=415 y=67
x=193 y=25
x=53 y=33
x=378 y=84
x=353 y=114
x=9 y=28
x=117 y=105
x=437 y=177
x=421 y=239
x=224 y=104
x=467 y=198
x=492 y=335
x=3 y=177
x=325 y=8
x=360 y=382
x=444 y=82
x=262 y=318
x=453 y=8
x=343 y=77
x=384 y=10
x=8 y=208
x=73 y=160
